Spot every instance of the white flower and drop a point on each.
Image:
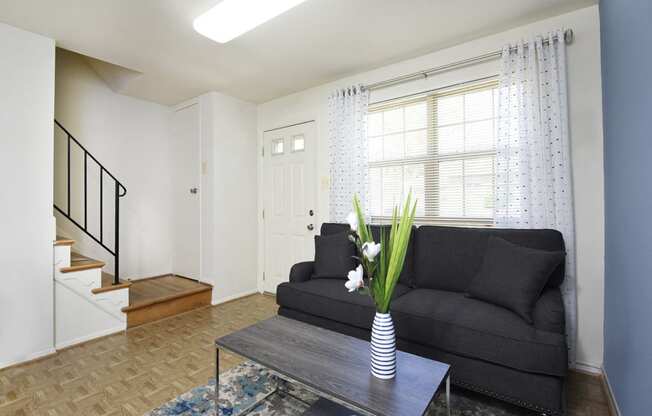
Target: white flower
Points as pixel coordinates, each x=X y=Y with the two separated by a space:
x=370 y=250
x=355 y=279
x=352 y=219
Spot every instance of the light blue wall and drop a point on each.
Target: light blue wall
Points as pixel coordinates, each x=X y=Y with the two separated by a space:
x=626 y=27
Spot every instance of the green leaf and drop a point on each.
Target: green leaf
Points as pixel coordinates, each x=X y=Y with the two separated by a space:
x=363 y=229
x=402 y=230
x=389 y=264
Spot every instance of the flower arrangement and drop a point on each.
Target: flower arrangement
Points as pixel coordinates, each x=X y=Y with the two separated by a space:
x=381 y=262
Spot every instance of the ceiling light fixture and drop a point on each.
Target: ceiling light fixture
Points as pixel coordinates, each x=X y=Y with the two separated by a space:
x=231 y=18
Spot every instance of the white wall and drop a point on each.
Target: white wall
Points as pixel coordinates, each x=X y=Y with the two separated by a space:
x=26 y=113
x=130 y=137
x=228 y=195
x=585 y=129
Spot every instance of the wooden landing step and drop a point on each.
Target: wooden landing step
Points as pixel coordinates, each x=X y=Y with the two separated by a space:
x=163 y=296
x=79 y=262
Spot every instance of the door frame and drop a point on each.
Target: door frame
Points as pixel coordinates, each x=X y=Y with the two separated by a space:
x=199 y=103
x=262 y=258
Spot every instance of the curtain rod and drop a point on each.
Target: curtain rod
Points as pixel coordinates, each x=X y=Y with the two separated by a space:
x=568 y=39
x=435 y=90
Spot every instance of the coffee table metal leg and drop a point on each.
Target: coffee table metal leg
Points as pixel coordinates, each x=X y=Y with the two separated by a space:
x=217 y=381
x=448 y=394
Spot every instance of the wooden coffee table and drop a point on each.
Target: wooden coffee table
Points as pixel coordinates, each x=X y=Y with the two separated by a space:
x=336 y=368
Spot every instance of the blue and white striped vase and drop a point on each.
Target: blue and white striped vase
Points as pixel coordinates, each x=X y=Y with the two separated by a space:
x=383 y=347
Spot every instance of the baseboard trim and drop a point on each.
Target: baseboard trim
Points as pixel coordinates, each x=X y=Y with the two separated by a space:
x=611 y=398
x=29 y=359
x=231 y=298
x=90 y=337
x=587 y=368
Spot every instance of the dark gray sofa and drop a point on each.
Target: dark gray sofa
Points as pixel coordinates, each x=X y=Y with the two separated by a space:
x=491 y=349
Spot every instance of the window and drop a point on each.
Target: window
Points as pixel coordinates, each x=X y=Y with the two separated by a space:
x=277 y=147
x=442 y=147
x=298 y=143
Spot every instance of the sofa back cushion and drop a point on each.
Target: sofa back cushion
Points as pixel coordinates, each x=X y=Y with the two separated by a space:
x=407 y=274
x=330 y=228
x=334 y=256
x=448 y=258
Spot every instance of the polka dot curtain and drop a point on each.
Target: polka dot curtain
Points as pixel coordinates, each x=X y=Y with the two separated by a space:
x=533 y=165
x=349 y=167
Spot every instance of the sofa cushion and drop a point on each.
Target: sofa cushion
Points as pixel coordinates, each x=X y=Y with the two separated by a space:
x=448 y=258
x=329 y=299
x=407 y=274
x=333 y=257
x=452 y=322
x=513 y=276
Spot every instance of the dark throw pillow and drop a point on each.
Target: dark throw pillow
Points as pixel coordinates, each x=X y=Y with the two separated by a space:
x=333 y=256
x=513 y=276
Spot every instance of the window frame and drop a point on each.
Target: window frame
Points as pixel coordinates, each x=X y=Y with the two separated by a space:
x=432 y=157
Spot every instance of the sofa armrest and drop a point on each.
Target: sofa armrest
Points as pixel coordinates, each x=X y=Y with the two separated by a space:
x=301 y=272
x=548 y=313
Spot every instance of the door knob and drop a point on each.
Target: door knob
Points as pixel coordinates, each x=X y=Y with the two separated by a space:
x=310 y=227
x=193 y=190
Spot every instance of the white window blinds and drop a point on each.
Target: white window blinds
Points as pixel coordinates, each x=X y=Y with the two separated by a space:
x=442 y=147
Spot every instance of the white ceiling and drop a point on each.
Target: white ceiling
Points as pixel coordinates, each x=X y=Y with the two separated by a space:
x=316 y=42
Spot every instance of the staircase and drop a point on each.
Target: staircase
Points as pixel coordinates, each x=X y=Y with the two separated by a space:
x=88 y=303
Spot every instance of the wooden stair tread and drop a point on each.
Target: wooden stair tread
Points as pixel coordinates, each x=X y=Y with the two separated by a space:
x=63 y=241
x=107 y=284
x=79 y=262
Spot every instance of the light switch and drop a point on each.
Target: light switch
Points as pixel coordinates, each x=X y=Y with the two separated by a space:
x=325 y=183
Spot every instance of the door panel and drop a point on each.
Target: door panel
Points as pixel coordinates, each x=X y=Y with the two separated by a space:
x=298 y=194
x=185 y=204
x=289 y=195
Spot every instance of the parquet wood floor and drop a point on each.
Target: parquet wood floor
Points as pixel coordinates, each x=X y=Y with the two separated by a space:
x=131 y=372
x=135 y=371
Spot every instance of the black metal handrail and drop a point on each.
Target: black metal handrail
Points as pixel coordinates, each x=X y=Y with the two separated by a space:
x=120 y=191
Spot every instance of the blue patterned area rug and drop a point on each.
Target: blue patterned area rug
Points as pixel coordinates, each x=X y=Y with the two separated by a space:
x=250 y=389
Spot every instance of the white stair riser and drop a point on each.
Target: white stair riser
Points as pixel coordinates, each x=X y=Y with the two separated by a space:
x=85 y=280
x=79 y=318
x=111 y=302
x=81 y=315
x=61 y=257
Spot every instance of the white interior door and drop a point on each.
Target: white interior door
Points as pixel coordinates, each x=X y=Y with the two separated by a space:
x=185 y=192
x=289 y=200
